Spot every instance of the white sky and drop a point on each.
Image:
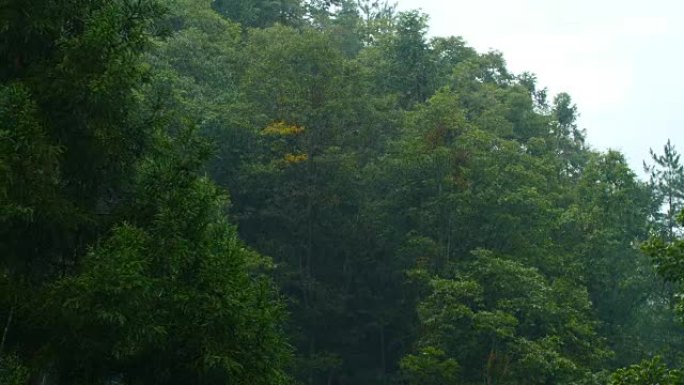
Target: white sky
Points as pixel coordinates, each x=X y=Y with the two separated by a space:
x=621 y=61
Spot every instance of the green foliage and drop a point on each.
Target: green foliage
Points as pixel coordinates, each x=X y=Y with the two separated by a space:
x=612 y=211
x=432 y=218
x=69 y=136
x=648 y=372
x=503 y=322
x=260 y=13
x=668 y=258
x=142 y=293
x=29 y=171
x=118 y=262
x=667 y=183
x=12 y=372
x=429 y=367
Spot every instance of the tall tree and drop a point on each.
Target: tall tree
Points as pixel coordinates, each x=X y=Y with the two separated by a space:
x=610 y=216
x=400 y=60
x=502 y=322
x=115 y=250
x=171 y=296
x=667 y=183
x=68 y=75
x=67 y=71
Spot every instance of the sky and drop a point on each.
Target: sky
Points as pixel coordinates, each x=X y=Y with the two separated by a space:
x=621 y=61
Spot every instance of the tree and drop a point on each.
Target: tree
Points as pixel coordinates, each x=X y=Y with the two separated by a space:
x=195 y=79
x=668 y=256
x=646 y=373
x=377 y=19
x=429 y=367
x=171 y=296
x=260 y=13
x=447 y=53
x=293 y=198
x=118 y=263
x=667 y=182
x=609 y=217
x=69 y=140
x=569 y=139
x=406 y=67
x=503 y=322
x=68 y=72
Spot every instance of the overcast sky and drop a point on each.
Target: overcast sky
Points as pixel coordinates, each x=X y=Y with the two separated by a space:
x=621 y=61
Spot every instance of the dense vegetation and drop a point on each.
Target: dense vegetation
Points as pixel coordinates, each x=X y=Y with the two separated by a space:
x=402 y=210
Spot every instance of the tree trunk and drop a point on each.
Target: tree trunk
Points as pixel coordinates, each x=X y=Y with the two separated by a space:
x=6 y=330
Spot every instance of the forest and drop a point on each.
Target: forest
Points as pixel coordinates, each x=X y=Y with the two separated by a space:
x=315 y=192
